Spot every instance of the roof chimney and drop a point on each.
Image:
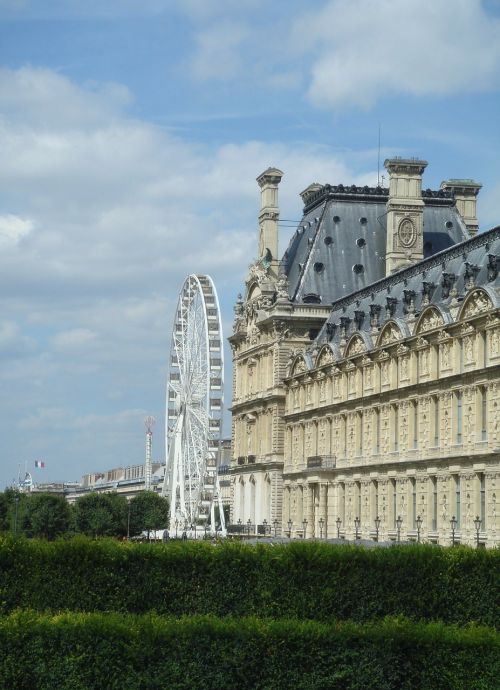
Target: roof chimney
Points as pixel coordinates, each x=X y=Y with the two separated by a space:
x=405 y=211
x=268 y=182
x=465 y=193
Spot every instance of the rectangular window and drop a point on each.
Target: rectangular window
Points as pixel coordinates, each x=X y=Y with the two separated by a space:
x=461 y=355
x=342 y=502
x=457 y=500
x=377 y=431
x=436 y=420
x=434 y=503
x=485 y=348
x=484 y=414
x=358 y=497
x=482 y=502
x=374 y=499
x=414 y=502
x=415 y=423
x=344 y=425
x=394 y=502
x=458 y=402
x=360 y=433
x=395 y=427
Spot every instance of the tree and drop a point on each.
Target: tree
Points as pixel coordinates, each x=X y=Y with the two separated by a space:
x=99 y=515
x=45 y=515
x=148 y=511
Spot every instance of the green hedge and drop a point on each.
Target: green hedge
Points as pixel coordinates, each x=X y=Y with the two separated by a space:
x=301 y=580
x=126 y=652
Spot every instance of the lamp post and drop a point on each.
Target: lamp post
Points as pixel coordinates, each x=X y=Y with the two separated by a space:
x=377 y=527
x=399 y=522
x=321 y=523
x=453 y=524
x=477 y=525
x=264 y=524
x=16 y=501
x=338 y=522
x=239 y=525
x=357 y=523
x=249 y=524
x=304 y=525
x=419 y=526
x=193 y=529
x=290 y=523
x=128 y=521
x=275 y=525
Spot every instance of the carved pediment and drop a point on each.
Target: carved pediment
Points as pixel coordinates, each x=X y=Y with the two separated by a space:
x=477 y=302
x=429 y=319
x=356 y=346
x=390 y=333
x=325 y=356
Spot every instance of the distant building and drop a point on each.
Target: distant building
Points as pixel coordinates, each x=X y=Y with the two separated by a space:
x=367 y=365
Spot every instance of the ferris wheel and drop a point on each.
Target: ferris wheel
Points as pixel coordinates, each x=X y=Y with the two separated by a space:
x=194 y=407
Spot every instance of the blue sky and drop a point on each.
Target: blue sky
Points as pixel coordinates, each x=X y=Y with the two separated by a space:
x=131 y=135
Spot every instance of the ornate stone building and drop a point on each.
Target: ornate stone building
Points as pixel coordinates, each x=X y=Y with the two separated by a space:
x=366 y=365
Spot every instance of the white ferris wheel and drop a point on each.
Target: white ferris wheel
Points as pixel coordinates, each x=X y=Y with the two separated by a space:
x=194 y=408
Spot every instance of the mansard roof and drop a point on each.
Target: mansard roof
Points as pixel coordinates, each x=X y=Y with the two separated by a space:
x=339 y=246
x=427 y=288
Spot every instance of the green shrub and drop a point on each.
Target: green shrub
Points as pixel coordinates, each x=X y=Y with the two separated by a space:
x=112 y=651
x=300 y=580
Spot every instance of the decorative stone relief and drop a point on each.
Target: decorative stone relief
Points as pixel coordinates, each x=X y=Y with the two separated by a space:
x=391 y=334
x=476 y=303
x=431 y=319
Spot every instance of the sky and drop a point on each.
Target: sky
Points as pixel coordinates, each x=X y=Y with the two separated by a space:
x=131 y=134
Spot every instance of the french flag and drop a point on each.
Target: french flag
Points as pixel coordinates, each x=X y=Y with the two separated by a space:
x=39 y=463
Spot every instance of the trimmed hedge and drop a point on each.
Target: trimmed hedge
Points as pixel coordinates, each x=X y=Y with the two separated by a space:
x=113 y=651
x=303 y=580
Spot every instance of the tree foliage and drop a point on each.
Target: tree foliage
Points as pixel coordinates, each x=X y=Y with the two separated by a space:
x=148 y=512
x=44 y=515
x=101 y=515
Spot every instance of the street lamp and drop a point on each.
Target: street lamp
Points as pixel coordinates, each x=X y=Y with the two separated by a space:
x=419 y=525
x=338 y=522
x=321 y=523
x=128 y=521
x=453 y=523
x=377 y=526
x=477 y=525
x=249 y=524
x=264 y=524
x=275 y=525
x=304 y=525
x=357 y=523
x=399 y=522
x=290 y=523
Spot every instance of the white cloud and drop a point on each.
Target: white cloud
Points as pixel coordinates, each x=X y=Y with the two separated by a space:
x=74 y=339
x=13 y=228
x=366 y=49
x=218 y=49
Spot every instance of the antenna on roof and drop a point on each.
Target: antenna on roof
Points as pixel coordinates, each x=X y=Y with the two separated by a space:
x=378 y=158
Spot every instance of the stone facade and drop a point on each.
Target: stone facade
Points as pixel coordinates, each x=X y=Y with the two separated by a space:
x=384 y=404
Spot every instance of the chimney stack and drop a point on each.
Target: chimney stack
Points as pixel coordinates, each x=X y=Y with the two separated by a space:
x=465 y=193
x=405 y=213
x=268 y=182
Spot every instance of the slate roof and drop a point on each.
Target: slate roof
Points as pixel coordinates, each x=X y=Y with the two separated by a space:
x=432 y=279
x=339 y=245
